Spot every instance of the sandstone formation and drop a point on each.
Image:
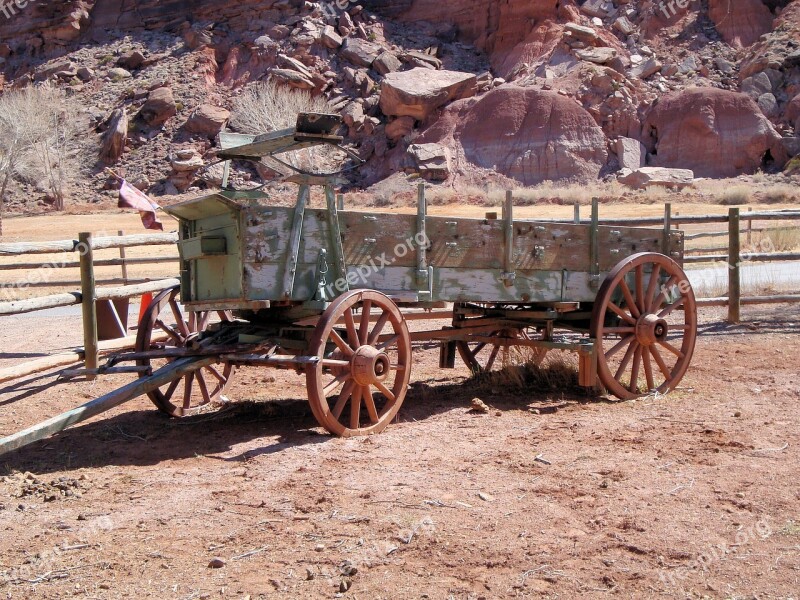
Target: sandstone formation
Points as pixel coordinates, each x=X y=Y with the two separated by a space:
x=207 y=120
x=714 y=132
x=159 y=108
x=526 y=134
x=419 y=92
x=741 y=22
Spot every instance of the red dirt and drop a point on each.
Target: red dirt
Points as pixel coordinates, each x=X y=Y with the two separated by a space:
x=690 y=495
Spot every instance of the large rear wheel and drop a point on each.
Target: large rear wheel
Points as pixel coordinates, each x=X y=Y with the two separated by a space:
x=645 y=323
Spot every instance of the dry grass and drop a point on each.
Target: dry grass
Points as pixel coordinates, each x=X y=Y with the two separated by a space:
x=541 y=371
x=736 y=195
x=778 y=239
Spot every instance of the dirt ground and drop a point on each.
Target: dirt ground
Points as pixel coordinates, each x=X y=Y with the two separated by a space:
x=552 y=494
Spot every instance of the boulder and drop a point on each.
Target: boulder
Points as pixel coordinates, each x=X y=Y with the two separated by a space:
x=740 y=22
x=650 y=67
x=631 y=153
x=387 y=63
x=207 y=120
x=159 y=107
x=419 y=92
x=581 y=33
x=646 y=177
x=399 y=128
x=329 y=38
x=717 y=133
x=769 y=105
x=599 y=56
x=756 y=85
x=527 y=134
x=292 y=78
x=115 y=137
x=360 y=52
x=793 y=113
x=432 y=160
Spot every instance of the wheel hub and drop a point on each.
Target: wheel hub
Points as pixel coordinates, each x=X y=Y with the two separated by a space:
x=370 y=365
x=650 y=330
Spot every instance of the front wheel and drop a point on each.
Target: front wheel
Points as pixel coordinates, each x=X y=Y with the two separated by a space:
x=645 y=324
x=363 y=366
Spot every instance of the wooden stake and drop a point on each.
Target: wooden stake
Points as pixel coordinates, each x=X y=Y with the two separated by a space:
x=88 y=300
x=734 y=266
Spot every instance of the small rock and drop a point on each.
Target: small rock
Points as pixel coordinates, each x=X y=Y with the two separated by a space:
x=118 y=74
x=737 y=414
x=207 y=120
x=479 y=406
x=319 y=547
x=216 y=563
x=310 y=575
x=329 y=38
x=345 y=585
x=485 y=497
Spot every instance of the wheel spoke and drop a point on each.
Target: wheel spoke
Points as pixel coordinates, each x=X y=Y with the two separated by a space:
x=637 y=361
x=363 y=328
x=326 y=391
x=204 y=318
x=671 y=308
x=355 y=410
x=341 y=344
x=388 y=342
x=626 y=360
x=372 y=410
x=176 y=312
x=187 y=391
x=648 y=369
x=621 y=313
x=350 y=323
x=492 y=357
x=625 y=341
x=338 y=364
x=350 y=389
x=662 y=296
x=671 y=348
x=629 y=301
x=660 y=362
x=376 y=331
x=619 y=330
x=201 y=382
x=385 y=391
x=655 y=276
x=211 y=369
x=639 y=276
x=172 y=387
x=169 y=331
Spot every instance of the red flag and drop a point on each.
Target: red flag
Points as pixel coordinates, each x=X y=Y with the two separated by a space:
x=130 y=197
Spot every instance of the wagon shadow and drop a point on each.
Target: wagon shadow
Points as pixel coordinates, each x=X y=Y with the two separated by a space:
x=148 y=438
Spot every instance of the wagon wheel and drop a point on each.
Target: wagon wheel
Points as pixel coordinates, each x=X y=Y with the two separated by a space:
x=645 y=321
x=360 y=379
x=189 y=394
x=482 y=357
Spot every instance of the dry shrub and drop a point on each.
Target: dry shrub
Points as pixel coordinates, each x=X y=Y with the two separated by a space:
x=737 y=195
x=265 y=107
x=39 y=139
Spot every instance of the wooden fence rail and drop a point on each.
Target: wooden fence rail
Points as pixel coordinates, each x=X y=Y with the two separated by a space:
x=89 y=295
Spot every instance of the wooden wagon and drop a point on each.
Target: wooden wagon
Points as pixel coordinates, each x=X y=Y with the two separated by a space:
x=330 y=293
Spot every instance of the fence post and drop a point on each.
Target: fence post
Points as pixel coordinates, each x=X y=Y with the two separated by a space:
x=750 y=228
x=340 y=202
x=89 y=302
x=734 y=266
x=577 y=211
x=667 y=228
x=124 y=262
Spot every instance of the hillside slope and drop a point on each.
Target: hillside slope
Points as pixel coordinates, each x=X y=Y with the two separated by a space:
x=456 y=90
